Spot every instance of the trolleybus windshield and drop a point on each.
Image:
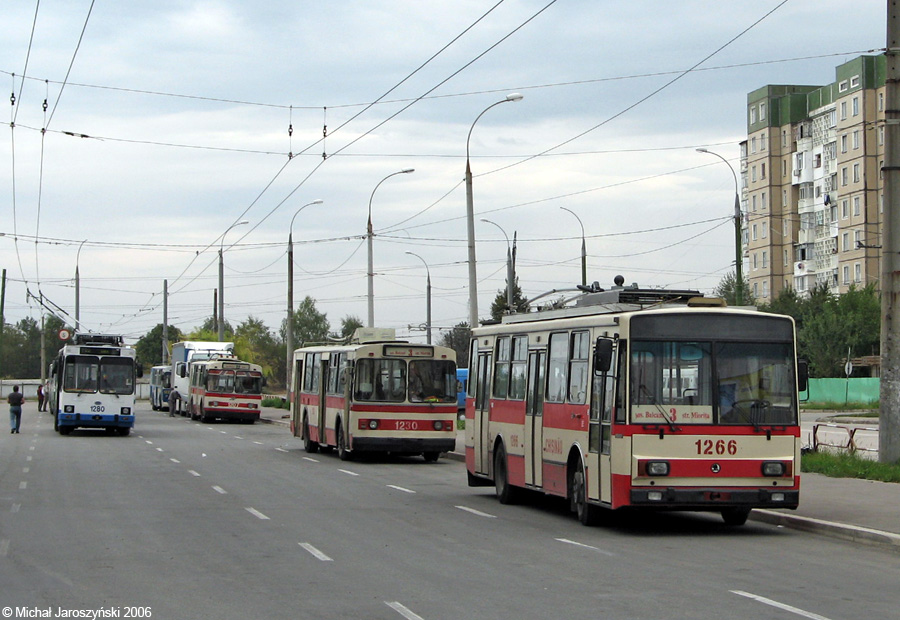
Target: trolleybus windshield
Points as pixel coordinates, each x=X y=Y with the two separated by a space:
x=432 y=381
x=712 y=383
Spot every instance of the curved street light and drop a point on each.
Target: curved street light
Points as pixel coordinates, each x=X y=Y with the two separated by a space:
x=738 y=252
x=221 y=320
x=289 y=328
x=583 y=248
x=427 y=297
x=470 y=217
x=370 y=297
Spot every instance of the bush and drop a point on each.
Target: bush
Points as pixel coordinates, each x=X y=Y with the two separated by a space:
x=275 y=401
x=845 y=465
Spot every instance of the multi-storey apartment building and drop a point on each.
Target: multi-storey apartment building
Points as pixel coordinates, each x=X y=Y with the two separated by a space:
x=812 y=184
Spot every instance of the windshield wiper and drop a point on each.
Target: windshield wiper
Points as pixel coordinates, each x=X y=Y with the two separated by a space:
x=643 y=389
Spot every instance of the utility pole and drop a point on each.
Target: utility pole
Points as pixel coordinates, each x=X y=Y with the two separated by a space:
x=2 y=305
x=889 y=417
x=165 y=334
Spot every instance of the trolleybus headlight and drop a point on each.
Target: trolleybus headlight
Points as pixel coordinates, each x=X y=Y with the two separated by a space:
x=777 y=497
x=438 y=425
x=655 y=496
x=69 y=408
x=657 y=468
x=126 y=410
x=773 y=468
x=368 y=425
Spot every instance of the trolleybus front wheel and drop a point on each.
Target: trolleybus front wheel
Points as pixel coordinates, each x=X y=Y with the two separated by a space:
x=735 y=516
x=506 y=493
x=343 y=453
x=587 y=514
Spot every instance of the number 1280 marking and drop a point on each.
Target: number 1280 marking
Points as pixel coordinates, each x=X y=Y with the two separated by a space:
x=708 y=446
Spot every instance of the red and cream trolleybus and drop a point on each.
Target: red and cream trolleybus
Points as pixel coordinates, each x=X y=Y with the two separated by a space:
x=376 y=394
x=225 y=388
x=638 y=398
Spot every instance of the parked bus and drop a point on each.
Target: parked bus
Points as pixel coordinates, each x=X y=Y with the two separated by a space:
x=638 y=398
x=92 y=384
x=225 y=388
x=183 y=353
x=160 y=386
x=376 y=394
x=462 y=378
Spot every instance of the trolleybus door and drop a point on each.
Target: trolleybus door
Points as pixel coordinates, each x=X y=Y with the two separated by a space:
x=482 y=411
x=323 y=382
x=534 y=418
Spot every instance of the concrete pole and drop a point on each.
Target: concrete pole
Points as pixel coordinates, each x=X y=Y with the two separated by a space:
x=289 y=327
x=889 y=419
x=221 y=317
x=165 y=334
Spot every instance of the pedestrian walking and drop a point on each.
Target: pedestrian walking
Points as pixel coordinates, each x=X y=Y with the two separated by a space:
x=40 y=395
x=46 y=397
x=15 y=400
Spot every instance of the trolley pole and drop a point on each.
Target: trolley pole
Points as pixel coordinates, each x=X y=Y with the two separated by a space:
x=889 y=420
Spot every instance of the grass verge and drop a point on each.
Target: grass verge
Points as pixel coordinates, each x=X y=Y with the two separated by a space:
x=844 y=465
x=274 y=401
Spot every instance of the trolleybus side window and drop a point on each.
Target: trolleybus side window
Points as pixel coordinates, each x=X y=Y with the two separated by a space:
x=578 y=368
x=80 y=373
x=518 y=368
x=557 y=382
x=501 y=367
x=473 y=365
x=334 y=372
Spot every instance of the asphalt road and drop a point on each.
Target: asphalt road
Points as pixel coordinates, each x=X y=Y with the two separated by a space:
x=190 y=520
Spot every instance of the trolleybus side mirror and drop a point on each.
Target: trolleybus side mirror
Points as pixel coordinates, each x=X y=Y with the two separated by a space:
x=802 y=375
x=603 y=355
x=139 y=370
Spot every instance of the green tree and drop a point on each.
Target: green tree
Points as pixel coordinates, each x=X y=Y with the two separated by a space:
x=457 y=339
x=149 y=346
x=726 y=290
x=310 y=325
x=499 y=306
x=255 y=343
x=349 y=324
x=211 y=327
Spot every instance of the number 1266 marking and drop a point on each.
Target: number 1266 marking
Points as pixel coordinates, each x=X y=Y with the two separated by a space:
x=708 y=446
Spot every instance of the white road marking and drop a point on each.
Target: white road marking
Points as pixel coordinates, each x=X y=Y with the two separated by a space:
x=584 y=546
x=28 y=458
x=256 y=513
x=477 y=512
x=175 y=460
x=403 y=611
x=258 y=443
x=236 y=437
x=15 y=507
x=159 y=450
x=348 y=472
x=4 y=547
x=193 y=473
x=768 y=601
x=310 y=459
x=281 y=449
x=394 y=486
x=219 y=489
x=25 y=470
x=23 y=485
x=224 y=432
x=315 y=552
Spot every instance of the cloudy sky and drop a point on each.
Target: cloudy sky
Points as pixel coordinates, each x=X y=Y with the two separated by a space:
x=167 y=122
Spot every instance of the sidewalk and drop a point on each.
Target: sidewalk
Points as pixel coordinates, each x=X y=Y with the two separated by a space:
x=862 y=511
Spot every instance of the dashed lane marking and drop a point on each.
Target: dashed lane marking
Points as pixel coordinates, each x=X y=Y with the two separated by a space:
x=315 y=552
x=219 y=489
x=403 y=611
x=477 y=512
x=584 y=546
x=256 y=513
x=193 y=473
x=394 y=486
x=348 y=472
x=782 y=606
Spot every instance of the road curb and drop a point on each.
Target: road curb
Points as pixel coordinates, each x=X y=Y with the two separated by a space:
x=845 y=531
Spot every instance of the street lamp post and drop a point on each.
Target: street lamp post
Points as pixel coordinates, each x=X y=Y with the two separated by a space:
x=583 y=248
x=371 y=273
x=427 y=297
x=738 y=252
x=222 y=281
x=289 y=328
x=509 y=268
x=470 y=218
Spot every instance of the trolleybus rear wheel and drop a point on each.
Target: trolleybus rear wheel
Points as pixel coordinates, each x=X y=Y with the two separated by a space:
x=343 y=453
x=431 y=457
x=308 y=444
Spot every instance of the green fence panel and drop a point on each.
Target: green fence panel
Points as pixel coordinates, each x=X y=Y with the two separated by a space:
x=852 y=390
